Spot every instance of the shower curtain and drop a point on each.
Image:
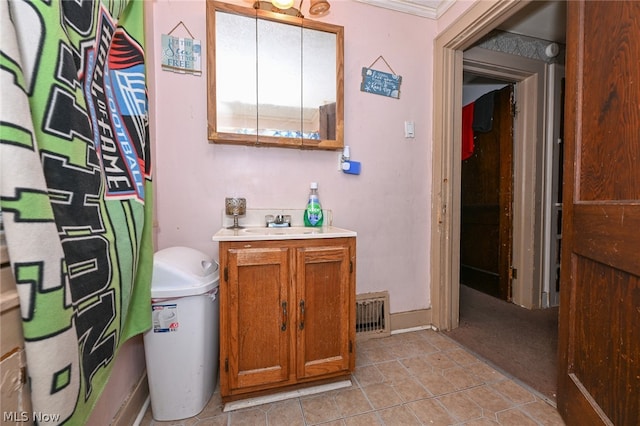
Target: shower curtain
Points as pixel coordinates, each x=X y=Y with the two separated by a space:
x=75 y=190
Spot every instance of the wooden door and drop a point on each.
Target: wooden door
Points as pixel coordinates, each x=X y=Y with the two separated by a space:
x=255 y=334
x=324 y=292
x=486 y=204
x=599 y=333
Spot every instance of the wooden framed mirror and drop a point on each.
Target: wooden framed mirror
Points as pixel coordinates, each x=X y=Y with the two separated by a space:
x=273 y=79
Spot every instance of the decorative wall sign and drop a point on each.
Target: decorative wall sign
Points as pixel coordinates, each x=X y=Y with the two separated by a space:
x=380 y=82
x=180 y=54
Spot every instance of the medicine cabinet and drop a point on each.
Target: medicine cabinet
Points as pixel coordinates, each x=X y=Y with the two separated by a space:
x=273 y=79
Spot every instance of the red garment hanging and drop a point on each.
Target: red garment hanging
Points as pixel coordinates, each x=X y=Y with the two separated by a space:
x=467 y=130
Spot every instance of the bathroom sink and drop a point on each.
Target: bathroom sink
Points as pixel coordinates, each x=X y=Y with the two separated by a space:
x=295 y=232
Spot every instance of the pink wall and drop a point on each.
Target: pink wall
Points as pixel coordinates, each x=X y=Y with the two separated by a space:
x=127 y=370
x=388 y=204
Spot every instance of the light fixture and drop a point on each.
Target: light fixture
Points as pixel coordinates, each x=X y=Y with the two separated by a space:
x=319 y=7
x=316 y=8
x=282 y=4
x=552 y=50
x=278 y=6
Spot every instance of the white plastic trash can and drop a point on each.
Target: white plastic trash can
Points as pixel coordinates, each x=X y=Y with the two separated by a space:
x=181 y=348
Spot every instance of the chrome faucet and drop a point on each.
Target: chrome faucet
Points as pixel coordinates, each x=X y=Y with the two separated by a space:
x=278 y=221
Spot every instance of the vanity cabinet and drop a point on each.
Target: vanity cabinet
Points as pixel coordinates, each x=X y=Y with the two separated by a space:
x=287 y=313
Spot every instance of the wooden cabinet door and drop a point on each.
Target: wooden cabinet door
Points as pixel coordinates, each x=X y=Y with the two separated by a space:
x=324 y=277
x=258 y=316
x=599 y=332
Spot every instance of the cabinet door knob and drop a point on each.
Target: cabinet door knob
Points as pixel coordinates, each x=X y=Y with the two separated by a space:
x=284 y=317
x=302 y=315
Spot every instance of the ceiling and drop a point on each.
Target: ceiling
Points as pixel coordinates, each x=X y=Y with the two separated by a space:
x=540 y=19
x=427 y=8
x=545 y=20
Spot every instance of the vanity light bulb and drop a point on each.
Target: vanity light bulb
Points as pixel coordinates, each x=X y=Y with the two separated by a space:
x=282 y=4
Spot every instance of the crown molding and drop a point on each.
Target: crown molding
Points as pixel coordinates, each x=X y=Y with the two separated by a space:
x=432 y=9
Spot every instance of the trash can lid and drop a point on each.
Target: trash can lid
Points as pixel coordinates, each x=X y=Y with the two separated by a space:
x=182 y=271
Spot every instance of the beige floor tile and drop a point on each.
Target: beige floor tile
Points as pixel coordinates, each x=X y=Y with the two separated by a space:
x=213 y=408
x=221 y=420
x=339 y=422
x=409 y=349
x=249 y=417
x=490 y=400
x=415 y=378
x=320 y=409
x=351 y=402
x=382 y=395
x=436 y=383
x=481 y=422
x=485 y=372
x=285 y=413
x=443 y=343
x=431 y=412
x=410 y=390
x=417 y=365
x=514 y=417
x=462 y=357
x=379 y=354
x=403 y=337
x=544 y=413
x=460 y=406
x=461 y=378
x=362 y=358
x=440 y=360
x=368 y=375
x=398 y=415
x=514 y=391
x=183 y=422
x=367 y=419
x=393 y=371
x=373 y=342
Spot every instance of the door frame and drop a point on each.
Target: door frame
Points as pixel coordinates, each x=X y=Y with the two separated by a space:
x=529 y=139
x=476 y=22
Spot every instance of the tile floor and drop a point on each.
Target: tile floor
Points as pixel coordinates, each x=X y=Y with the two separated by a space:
x=416 y=378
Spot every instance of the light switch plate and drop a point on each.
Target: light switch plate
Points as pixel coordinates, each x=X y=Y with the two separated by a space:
x=409 y=129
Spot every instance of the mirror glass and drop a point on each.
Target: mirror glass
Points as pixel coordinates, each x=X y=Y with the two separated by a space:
x=274 y=80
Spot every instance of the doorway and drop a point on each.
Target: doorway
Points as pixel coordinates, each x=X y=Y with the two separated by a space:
x=455 y=55
x=531 y=259
x=521 y=342
x=486 y=189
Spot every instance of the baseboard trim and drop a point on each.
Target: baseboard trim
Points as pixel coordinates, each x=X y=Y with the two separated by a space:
x=410 y=320
x=143 y=411
x=129 y=412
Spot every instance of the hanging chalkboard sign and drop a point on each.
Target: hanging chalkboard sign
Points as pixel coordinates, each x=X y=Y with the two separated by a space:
x=380 y=83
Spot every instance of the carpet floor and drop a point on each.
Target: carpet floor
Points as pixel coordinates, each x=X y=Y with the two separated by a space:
x=519 y=341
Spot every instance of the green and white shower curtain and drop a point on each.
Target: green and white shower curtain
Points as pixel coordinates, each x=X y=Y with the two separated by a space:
x=75 y=190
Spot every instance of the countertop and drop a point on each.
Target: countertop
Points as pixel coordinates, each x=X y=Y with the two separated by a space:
x=256 y=233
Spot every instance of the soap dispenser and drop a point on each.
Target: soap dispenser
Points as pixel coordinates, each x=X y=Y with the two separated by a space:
x=313 y=212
